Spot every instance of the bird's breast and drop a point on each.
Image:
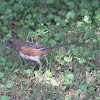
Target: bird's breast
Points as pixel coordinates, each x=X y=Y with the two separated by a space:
x=34 y=58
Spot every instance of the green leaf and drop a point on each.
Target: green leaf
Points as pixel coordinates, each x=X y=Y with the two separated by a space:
x=21 y=7
x=71 y=5
x=81 y=60
x=86 y=19
x=48 y=73
x=95 y=3
x=49 y=1
x=9 y=63
x=11 y=1
x=31 y=23
x=1 y=75
x=89 y=35
x=29 y=16
x=88 y=68
x=2 y=87
x=68 y=82
x=41 y=31
x=79 y=24
x=97 y=12
x=2 y=61
x=84 y=4
x=57 y=18
x=92 y=64
x=9 y=35
x=62 y=12
x=66 y=72
x=22 y=22
x=76 y=83
x=59 y=36
x=4 y=98
x=85 y=12
x=48 y=85
x=9 y=85
x=93 y=26
x=19 y=34
x=36 y=73
x=6 y=22
x=8 y=11
x=70 y=76
x=16 y=7
x=70 y=15
x=87 y=53
x=4 y=29
x=53 y=42
x=50 y=16
x=6 y=68
x=82 y=87
x=92 y=89
x=62 y=87
x=28 y=71
x=68 y=59
x=62 y=22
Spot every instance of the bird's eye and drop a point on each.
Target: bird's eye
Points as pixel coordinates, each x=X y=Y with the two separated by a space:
x=9 y=41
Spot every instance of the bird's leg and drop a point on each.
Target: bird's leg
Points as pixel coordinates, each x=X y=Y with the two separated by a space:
x=35 y=65
x=40 y=64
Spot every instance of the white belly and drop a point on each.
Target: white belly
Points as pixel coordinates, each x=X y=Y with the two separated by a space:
x=35 y=58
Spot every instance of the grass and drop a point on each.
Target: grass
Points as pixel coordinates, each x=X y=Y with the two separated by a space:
x=53 y=83
x=68 y=73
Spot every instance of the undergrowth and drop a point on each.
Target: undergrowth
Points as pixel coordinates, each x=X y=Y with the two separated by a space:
x=68 y=73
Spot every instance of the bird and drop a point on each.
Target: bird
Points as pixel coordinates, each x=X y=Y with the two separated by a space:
x=31 y=51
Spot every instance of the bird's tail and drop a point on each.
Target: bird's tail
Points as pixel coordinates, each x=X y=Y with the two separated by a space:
x=48 y=49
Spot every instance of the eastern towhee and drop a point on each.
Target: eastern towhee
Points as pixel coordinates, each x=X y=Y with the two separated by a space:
x=32 y=51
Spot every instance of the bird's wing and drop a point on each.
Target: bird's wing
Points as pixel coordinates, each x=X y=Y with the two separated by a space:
x=34 y=45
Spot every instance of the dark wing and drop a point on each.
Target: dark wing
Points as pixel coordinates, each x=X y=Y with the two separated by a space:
x=34 y=45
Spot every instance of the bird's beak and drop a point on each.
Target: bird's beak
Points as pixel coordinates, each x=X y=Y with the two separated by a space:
x=5 y=44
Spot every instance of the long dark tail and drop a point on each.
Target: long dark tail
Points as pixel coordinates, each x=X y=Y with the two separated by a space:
x=48 y=49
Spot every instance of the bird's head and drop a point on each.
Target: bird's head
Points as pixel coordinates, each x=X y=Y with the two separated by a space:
x=13 y=43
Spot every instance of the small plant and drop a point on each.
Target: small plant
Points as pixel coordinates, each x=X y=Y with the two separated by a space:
x=1 y=75
x=9 y=85
x=4 y=98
